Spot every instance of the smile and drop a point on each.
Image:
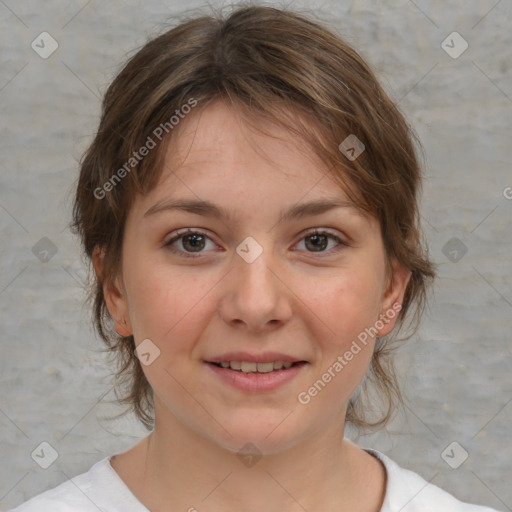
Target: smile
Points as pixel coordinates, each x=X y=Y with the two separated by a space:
x=252 y=367
x=256 y=377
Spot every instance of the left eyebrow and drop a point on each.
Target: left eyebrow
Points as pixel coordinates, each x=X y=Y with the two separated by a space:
x=312 y=208
x=208 y=209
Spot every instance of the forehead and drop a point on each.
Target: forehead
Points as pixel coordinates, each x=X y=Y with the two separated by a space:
x=217 y=156
x=217 y=147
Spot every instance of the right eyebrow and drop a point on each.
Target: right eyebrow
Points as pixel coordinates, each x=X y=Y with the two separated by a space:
x=199 y=207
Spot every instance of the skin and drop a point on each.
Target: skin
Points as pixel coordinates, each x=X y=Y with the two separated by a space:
x=291 y=299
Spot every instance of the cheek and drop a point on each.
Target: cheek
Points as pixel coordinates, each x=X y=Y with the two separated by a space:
x=347 y=305
x=166 y=306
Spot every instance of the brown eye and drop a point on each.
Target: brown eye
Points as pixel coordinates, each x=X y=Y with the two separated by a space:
x=318 y=241
x=194 y=243
x=187 y=243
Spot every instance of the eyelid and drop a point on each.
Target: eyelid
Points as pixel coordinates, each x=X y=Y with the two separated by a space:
x=322 y=231
x=175 y=235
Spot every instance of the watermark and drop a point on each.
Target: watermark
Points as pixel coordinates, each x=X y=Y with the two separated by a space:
x=454 y=455
x=249 y=249
x=44 y=250
x=249 y=455
x=147 y=352
x=44 y=45
x=137 y=156
x=507 y=192
x=454 y=45
x=44 y=455
x=341 y=361
x=352 y=147
x=454 y=249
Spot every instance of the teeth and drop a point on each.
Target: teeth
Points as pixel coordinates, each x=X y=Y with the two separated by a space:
x=265 y=367
x=251 y=367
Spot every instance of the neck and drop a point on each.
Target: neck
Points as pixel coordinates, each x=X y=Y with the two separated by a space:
x=324 y=472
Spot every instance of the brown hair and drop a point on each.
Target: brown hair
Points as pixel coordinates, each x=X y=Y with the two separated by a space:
x=288 y=69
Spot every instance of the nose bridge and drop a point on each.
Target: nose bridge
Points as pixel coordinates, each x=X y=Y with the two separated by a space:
x=254 y=267
x=256 y=296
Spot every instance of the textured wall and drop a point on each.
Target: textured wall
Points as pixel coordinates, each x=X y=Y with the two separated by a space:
x=54 y=380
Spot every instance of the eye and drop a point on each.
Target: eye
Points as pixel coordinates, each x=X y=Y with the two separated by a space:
x=190 y=241
x=318 y=240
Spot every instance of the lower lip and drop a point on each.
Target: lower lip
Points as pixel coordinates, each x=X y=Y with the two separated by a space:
x=254 y=381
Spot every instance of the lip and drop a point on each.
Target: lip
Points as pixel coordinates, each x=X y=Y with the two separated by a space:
x=256 y=382
x=265 y=357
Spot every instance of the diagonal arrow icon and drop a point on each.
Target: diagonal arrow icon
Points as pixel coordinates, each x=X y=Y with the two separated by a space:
x=454 y=455
x=249 y=455
x=249 y=249
x=44 y=455
x=44 y=45
x=454 y=45
x=44 y=250
x=351 y=147
x=147 y=352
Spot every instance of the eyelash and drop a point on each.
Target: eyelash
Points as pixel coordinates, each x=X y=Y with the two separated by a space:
x=182 y=234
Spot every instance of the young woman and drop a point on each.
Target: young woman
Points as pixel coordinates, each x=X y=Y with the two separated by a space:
x=249 y=205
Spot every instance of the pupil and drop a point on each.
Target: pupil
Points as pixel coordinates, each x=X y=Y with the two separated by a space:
x=196 y=241
x=316 y=245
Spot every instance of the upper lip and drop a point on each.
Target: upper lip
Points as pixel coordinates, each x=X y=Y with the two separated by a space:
x=265 y=357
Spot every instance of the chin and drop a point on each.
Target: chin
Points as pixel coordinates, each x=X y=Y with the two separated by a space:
x=252 y=432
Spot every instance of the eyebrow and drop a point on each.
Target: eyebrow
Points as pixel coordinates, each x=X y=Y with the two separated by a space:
x=208 y=209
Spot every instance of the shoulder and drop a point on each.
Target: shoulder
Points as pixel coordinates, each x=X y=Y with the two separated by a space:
x=100 y=488
x=407 y=491
x=70 y=495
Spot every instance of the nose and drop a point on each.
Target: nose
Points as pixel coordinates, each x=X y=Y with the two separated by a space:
x=256 y=297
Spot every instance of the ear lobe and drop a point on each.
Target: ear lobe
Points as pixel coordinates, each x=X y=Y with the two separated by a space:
x=114 y=296
x=393 y=297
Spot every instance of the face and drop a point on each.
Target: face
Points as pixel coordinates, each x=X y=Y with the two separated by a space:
x=255 y=319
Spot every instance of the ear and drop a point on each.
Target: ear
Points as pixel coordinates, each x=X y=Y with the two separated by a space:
x=393 y=297
x=114 y=296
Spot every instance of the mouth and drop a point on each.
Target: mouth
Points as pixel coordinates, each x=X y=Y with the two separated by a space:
x=255 y=377
x=253 y=367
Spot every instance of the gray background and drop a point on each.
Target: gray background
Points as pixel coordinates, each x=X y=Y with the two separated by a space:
x=56 y=385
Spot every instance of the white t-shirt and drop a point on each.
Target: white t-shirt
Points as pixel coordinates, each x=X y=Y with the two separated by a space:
x=101 y=488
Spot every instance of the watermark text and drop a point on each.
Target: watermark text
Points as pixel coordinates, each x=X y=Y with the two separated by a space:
x=343 y=360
